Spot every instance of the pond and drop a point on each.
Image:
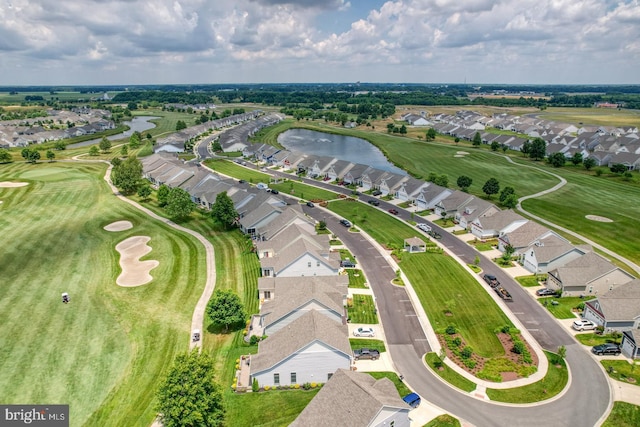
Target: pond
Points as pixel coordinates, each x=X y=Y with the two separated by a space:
x=139 y=123
x=356 y=150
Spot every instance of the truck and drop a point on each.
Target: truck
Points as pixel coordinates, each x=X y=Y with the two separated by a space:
x=503 y=293
x=366 y=353
x=491 y=280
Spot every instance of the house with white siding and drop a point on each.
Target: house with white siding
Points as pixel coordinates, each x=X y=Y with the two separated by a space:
x=430 y=195
x=355 y=399
x=310 y=349
x=549 y=253
x=473 y=210
x=454 y=203
x=489 y=226
x=617 y=309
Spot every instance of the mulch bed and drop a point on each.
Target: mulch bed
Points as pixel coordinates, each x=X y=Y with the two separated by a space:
x=507 y=344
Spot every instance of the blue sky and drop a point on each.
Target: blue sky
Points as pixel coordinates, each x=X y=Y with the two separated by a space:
x=55 y=42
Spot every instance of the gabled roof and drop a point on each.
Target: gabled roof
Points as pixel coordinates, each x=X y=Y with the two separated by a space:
x=621 y=303
x=255 y=216
x=350 y=399
x=526 y=234
x=550 y=248
x=339 y=282
x=292 y=234
x=292 y=214
x=499 y=220
x=455 y=201
x=296 y=249
x=303 y=331
x=584 y=270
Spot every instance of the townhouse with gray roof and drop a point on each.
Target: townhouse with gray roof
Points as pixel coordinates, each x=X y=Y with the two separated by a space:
x=454 y=203
x=617 y=309
x=472 y=210
x=292 y=215
x=310 y=349
x=501 y=222
x=523 y=236
x=549 y=253
x=355 y=399
x=590 y=274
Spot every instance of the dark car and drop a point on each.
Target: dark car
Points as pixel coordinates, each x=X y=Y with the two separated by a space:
x=491 y=280
x=393 y=211
x=275 y=192
x=608 y=348
x=544 y=292
x=374 y=202
x=377 y=193
x=365 y=353
x=310 y=204
x=242 y=181
x=345 y=223
x=347 y=263
x=412 y=400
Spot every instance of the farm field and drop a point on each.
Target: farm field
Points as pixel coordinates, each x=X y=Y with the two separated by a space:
x=104 y=352
x=441 y=282
x=592 y=116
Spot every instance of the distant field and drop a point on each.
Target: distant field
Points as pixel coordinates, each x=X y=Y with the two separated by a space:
x=105 y=351
x=592 y=116
x=7 y=99
x=166 y=124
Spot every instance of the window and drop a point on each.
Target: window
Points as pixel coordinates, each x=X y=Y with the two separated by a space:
x=294 y=378
x=392 y=423
x=329 y=376
x=276 y=379
x=267 y=294
x=267 y=273
x=317 y=263
x=309 y=264
x=590 y=289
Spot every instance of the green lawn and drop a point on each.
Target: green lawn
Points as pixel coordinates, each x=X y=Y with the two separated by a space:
x=528 y=281
x=440 y=281
x=552 y=384
x=229 y=168
x=622 y=370
x=363 y=310
x=591 y=339
x=371 y=343
x=107 y=349
x=623 y=414
x=304 y=191
x=273 y=408
x=356 y=278
x=444 y=420
x=403 y=390
x=449 y=375
x=564 y=307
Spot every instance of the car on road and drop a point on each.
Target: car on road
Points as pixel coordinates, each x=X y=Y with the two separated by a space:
x=608 y=348
x=242 y=181
x=424 y=227
x=345 y=222
x=393 y=211
x=364 y=331
x=310 y=204
x=412 y=400
x=377 y=193
x=491 y=280
x=374 y=202
x=583 y=325
x=275 y=192
x=545 y=292
x=365 y=353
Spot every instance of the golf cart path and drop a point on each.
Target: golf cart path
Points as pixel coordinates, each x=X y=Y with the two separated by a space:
x=197 y=320
x=556 y=187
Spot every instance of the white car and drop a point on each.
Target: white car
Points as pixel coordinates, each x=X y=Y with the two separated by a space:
x=583 y=325
x=364 y=332
x=424 y=227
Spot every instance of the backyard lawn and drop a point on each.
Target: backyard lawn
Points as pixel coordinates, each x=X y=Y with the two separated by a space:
x=371 y=343
x=356 y=278
x=229 y=168
x=622 y=370
x=562 y=308
x=363 y=310
x=303 y=191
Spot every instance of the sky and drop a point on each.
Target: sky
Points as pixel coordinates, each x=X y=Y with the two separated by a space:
x=127 y=42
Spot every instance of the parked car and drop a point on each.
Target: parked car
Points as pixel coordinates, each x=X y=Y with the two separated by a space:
x=424 y=227
x=310 y=204
x=434 y=234
x=393 y=211
x=583 y=325
x=345 y=222
x=374 y=202
x=412 y=400
x=364 y=331
x=347 y=263
x=503 y=293
x=275 y=192
x=365 y=353
x=491 y=280
x=377 y=193
x=544 y=292
x=608 y=348
x=242 y=181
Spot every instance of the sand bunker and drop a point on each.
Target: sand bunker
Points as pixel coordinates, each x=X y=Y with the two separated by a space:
x=134 y=271
x=462 y=153
x=119 y=226
x=7 y=184
x=458 y=155
x=598 y=218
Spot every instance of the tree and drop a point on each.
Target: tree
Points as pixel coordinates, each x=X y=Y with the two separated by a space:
x=144 y=191
x=132 y=106
x=618 y=168
x=390 y=127
x=59 y=145
x=495 y=145
x=508 y=253
x=511 y=201
x=126 y=175
x=557 y=160
x=441 y=180
x=163 y=195
x=506 y=192
x=224 y=211
x=216 y=146
x=456 y=139
x=431 y=134
x=31 y=155
x=464 y=182
x=403 y=130
x=576 y=159
x=135 y=139
x=589 y=163
x=477 y=139
x=180 y=125
x=93 y=151
x=51 y=155
x=492 y=186
x=124 y=150
x=538 y=149
x=526 y=148
x=179 y=204
x=226 y=309
x=5 y=156
x=105 y=145
x=189 y=396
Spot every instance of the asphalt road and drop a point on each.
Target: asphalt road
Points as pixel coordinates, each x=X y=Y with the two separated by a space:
x=583 y=403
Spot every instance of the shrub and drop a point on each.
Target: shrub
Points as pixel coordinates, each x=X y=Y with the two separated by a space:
x=519 y=347
x=306 y=386
x=254 y=339
x=466 y=352
x=450 y=330
x=469 y=363
x=580 y=306
x=296 y=386
x=266 y=388
x=255 y=387
x=505 y=329
x=457 y=341
x=314 y=385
